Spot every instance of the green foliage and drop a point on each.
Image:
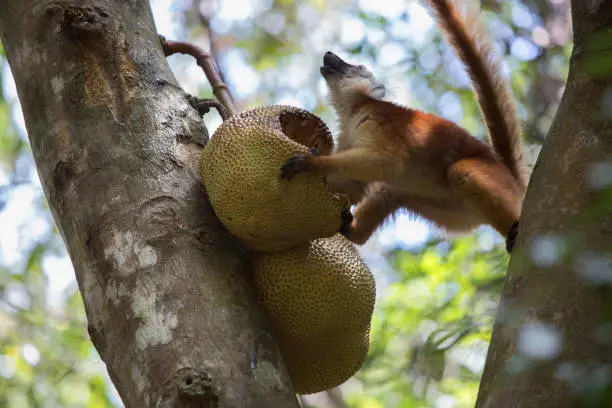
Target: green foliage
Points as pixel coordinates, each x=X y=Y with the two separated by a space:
x=437 y=311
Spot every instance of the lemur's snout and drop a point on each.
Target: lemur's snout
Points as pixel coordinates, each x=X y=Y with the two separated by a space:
x=333 y=64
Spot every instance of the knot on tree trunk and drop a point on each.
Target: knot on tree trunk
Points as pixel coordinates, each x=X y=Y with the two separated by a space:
x=79 y=19
x=190 y=387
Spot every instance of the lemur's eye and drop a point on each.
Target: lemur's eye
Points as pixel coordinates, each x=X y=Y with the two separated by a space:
x=379 y=88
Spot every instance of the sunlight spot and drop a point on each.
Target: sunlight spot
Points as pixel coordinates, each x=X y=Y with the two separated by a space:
x=390 y=54
x=7 y=366
x=540 y=37
x=400 y=29
x=600 y=175
x=274 y=23
x=30 y=354
x=546 y=250
x=450 y=106
x=523 y=49
x=375 y=36
x=487 y=239
x=419 y=22
x=352 y=32
x=390 y=9
x=446 y=401
x=521 y=16
x=166 y=20
x=18 y=210
x=60 y=276
x=16 y=296
x=244 y=79
x=237 y=10
x=594 y=268
x=9 y=89
x=307 y=99
x=405 y=230
x=539 y=342
x=429 y=59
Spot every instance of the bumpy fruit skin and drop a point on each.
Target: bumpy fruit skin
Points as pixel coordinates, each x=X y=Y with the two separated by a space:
x=240 y=169
x=319 y=300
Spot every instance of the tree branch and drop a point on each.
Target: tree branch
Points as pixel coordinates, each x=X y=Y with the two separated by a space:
x=208 y=65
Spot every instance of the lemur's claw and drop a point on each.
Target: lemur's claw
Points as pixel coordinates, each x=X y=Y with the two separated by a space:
x=347 y=219
x=511 y=236
x=294 y=165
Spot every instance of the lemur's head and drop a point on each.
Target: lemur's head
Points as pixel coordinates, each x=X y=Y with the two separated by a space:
x=345 y=80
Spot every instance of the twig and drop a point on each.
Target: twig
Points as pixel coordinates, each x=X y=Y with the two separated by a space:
x=204 y=105
x=207 y=63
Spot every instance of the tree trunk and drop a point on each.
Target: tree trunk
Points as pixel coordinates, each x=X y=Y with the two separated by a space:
x=170 y=306
x=551 y=343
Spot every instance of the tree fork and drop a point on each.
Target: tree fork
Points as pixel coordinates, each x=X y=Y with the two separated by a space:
x=167 y=291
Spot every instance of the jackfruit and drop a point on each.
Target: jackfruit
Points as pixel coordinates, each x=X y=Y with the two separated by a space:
x=318 y=299
x=240 y=169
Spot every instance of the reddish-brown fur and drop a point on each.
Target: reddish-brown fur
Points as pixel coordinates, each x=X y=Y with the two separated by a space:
x=467 y=35
x=389 y=156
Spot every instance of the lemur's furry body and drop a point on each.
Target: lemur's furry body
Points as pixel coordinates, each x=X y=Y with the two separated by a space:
x=389 y=156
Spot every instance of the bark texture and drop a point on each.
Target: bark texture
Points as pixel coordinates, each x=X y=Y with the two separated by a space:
x=167 y=294
x=552 y=341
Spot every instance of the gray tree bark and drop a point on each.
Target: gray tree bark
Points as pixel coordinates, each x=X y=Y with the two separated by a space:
x=167 y=293
x=551 y=343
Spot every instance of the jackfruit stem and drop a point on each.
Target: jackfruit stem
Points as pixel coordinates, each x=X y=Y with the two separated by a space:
x=209 y=66
x=203 y=106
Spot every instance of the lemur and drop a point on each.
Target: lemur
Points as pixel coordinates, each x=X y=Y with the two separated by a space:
x=390 y=157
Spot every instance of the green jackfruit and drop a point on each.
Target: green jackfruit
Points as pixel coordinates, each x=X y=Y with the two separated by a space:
x=240 y=169
x=319 y=299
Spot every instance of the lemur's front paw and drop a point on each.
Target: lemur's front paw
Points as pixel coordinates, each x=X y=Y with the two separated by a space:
x=347 y=219
x=511 y=236
x=354 y=235
x=297 y=164
x=351 y=231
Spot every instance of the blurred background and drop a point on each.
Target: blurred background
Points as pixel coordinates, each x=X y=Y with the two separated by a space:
x=436 y=299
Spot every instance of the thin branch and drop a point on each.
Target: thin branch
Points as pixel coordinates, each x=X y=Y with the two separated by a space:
x=208 y=65
x=204 y=105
